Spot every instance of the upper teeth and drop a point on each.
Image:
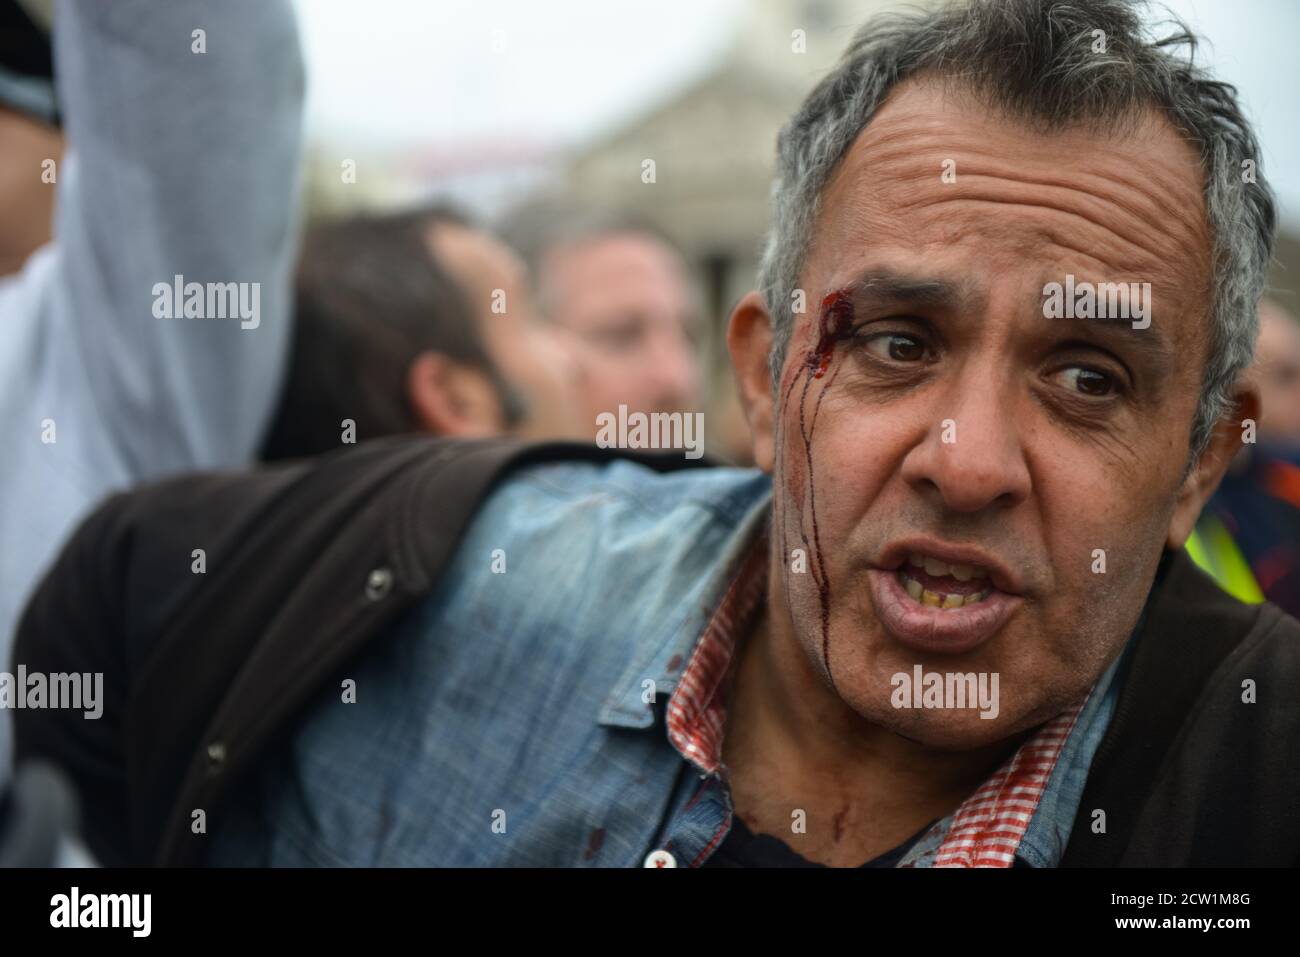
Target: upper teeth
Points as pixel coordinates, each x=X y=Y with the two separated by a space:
x=932 y=566
x=936 y=599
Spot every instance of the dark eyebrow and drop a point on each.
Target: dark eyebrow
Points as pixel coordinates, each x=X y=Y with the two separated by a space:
x=1149 y=340
x=881 y=285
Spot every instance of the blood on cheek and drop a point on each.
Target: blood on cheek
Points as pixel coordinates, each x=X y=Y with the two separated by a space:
x=834 y=323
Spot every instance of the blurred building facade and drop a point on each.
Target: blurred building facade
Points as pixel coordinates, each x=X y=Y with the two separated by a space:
x=713 y=144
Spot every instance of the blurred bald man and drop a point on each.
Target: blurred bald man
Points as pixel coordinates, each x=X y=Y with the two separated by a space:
x=621 y=288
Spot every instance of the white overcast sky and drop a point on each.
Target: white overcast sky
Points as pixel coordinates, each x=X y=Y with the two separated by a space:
x=397 y=73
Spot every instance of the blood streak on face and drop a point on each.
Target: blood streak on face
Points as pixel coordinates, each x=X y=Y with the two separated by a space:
x=834 y=323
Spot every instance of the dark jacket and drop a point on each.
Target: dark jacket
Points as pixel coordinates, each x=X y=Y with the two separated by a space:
x=308 y=563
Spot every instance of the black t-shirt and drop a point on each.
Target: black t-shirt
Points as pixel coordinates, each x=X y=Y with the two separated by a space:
x=743 y=848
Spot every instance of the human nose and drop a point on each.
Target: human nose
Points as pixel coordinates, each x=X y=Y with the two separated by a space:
x=973 y=457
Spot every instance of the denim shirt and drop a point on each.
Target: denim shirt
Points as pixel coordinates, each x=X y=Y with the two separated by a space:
x=516 y=717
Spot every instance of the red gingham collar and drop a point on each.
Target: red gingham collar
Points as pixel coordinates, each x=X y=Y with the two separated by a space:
x=985 y=830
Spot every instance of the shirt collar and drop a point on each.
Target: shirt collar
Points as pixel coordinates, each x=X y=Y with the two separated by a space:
x=675 y=617
x=697 y=710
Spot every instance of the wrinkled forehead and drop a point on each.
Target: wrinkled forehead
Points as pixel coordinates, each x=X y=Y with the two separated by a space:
x=937 y=169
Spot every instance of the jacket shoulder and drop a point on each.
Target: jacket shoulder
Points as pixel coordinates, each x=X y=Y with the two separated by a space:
x=1197 y=767
x=607 y=562
x=167 y=590
x=173 y=536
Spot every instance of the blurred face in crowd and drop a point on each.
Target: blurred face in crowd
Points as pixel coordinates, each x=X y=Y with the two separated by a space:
x=955 y=466
x=537 y=364
x=627 y=299
x=1277 y=371
x=28 y=203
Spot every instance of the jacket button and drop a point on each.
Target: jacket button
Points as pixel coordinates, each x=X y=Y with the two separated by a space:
x=378 y=584
x=216 y=755
x=660 y=859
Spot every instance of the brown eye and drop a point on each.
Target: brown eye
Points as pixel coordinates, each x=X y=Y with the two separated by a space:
x=1089 y=382
x=896 y=347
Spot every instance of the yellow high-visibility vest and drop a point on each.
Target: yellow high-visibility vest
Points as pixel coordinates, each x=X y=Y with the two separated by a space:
x=1212 y=548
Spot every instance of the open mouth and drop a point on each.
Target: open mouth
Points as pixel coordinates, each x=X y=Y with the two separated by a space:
x=938 y=584
x=948 y=605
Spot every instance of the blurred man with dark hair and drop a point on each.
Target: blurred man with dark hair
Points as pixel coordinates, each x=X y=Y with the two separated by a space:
x=547 y=375
x=618 y=283
x=395 y=332
x=385 y=338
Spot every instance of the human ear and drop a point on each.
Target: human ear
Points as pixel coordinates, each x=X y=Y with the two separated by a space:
x=749 y=340
x=1204 y=478
x=449 y=398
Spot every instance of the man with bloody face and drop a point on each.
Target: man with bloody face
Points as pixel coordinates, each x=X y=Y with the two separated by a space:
x=978 y=488
x=948 y=620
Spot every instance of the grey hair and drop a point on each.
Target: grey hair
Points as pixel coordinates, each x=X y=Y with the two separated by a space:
x=1034 y=59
